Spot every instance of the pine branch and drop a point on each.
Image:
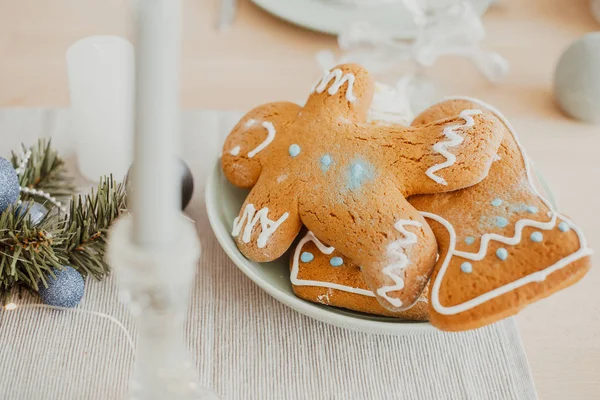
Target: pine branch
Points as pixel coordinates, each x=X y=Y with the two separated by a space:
x=87 y=224
x=45 y=171
x=28 y=252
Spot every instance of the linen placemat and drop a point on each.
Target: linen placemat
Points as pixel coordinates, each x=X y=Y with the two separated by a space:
x=245 y=343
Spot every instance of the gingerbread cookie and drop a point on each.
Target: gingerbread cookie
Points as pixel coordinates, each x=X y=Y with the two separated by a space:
x=322 y=275
x=501 y=244
x=324 y=167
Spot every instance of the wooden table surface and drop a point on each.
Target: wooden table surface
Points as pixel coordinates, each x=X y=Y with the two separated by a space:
x=262 y=59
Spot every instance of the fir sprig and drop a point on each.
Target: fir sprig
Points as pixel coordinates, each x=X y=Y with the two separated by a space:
x=28 y=252
x=44 y=170
x=87 y=225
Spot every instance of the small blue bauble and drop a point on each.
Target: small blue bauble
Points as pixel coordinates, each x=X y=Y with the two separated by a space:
x=9 y=184
x=36 y=212
x=64 y=291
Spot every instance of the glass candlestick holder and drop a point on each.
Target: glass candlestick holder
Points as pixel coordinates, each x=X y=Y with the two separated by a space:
x=155 y=284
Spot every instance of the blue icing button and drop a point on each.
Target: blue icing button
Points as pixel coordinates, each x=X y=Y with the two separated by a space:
x=536 y=237
x=360 y=172
x=501 y=222
x=336 y=261
x=325 y=162
x=502 y=253
x=564 y=227
x=466 y=267
x=307 y=257
x=531 y=209
x=496 y=202
x=294 y=150
x=470 y=240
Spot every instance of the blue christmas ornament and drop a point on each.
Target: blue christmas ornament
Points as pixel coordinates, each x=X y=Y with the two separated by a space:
x=35 y=211
x=64 y=291
x=9 y=184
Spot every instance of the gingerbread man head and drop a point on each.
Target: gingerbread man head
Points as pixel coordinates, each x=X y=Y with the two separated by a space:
x=324 y=167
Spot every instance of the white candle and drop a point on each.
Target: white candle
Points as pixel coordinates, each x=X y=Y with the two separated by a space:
x=101 y=82
x=156 y=194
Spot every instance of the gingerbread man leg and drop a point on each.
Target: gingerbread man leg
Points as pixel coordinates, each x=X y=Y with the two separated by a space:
x=392 y=243
x=266 y=225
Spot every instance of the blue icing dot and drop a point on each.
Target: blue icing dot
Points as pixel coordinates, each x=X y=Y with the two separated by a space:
x=466 y=267
x=502 y=253
x=294 y=150
x=564 y=227
x=501 y=222
x=470 y=240
x=536 y=237
x=496 y=202
x=336 y=261
x=531 y=209
x=307 y=257
x=325 y=162
x=360 y=172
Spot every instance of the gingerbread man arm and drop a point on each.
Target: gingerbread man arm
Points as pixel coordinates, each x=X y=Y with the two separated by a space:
x=442 y=156
x=249 y=145
x=382 y=233
x=268 y=223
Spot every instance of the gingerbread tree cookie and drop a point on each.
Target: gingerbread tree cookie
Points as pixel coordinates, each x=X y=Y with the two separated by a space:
x=347 y=181
x=502 y=246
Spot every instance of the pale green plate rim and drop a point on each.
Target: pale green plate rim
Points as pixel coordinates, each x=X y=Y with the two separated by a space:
x=223 y=202
x=273 y=277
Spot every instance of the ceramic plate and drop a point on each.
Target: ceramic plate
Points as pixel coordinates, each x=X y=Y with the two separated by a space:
x=329 y=16
x=223 y=203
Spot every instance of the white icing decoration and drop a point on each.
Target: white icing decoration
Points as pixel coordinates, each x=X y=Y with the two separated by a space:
x=339 y=78
x=270 y=136
x=281 y=178
x=251 y=217
x=250 y=122
x=324 y=298
x=486 y=238
x=450 y=132
x=310 y=237
x=235 y=151
x=397 y=252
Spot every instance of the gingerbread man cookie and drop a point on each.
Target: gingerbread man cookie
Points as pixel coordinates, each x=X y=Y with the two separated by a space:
x=324 y=167
x=502 y=246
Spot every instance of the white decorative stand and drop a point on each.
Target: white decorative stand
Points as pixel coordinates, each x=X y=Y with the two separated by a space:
x=156 y=283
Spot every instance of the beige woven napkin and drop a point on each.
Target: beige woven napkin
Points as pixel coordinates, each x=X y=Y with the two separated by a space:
x=246 y=344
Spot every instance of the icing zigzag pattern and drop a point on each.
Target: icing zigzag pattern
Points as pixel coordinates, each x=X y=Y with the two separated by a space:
x=397 y=251
x=251 y=217
x=339 y=79
x=454 y=140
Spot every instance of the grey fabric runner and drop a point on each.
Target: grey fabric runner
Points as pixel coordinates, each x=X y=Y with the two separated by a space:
x=245 y=343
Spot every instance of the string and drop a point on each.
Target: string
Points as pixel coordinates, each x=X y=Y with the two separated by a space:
x=12 y=307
